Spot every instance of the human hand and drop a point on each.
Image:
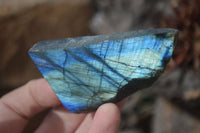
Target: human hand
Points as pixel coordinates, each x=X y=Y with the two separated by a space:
x=18 y=106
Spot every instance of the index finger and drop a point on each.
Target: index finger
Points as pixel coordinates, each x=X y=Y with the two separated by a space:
x=24 y=102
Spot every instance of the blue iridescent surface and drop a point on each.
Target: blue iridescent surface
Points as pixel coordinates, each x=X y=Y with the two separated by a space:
x=86 y=72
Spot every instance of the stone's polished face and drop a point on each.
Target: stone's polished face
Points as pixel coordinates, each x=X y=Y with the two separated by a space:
x=86 y=72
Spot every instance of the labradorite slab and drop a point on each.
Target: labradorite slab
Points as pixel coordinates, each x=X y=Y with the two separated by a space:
x=86 y=72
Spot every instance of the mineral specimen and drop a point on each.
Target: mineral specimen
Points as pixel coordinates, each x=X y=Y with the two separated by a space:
x=86 y=72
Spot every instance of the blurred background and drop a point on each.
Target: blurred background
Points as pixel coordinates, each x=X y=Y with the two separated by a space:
x=171 y=105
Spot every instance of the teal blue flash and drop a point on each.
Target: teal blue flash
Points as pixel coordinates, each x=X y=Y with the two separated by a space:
x=86 y=72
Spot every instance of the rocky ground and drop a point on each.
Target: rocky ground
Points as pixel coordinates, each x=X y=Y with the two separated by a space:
x=171 y=105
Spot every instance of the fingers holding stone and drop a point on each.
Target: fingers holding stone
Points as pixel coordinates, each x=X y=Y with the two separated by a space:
x=60 y=120
x=24 y=102
x=106 y=119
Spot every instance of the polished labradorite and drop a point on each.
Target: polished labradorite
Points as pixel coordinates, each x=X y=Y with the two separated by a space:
x=86 y=72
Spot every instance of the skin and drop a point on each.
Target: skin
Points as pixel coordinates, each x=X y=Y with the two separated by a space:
x=18 y=106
